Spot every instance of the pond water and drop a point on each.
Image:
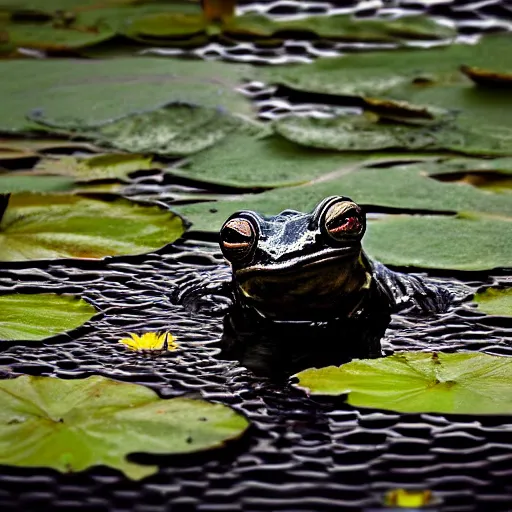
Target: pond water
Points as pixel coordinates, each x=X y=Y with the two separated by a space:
x=301 y=454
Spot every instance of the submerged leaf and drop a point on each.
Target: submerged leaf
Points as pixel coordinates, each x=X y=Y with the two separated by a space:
x=38 y=227
x=495 y=301
x=416 y=382
x=72 y=425
x=38 y=316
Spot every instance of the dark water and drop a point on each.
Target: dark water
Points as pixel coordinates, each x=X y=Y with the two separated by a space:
x=300 y=454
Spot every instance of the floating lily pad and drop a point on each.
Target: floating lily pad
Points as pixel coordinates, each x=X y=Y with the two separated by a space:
x=377 y=74
x=246 y=161
x=39 y=316
x=73 y=425
x=488 y=77
x=177 y=130
x=406 y=187
x=495 y=301
x=340 y=27
x=38 y=227
x=467 y=242
x=412 y=382
x=67 y=94
x=359 y=133
x=12 y=182
x=98 y=167
x=48 y=36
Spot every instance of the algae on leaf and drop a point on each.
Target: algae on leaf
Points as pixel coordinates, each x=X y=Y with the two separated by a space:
x=38 y=316
x=416 y=382
x=38 y=227
x=495 y=301
x=73 y=425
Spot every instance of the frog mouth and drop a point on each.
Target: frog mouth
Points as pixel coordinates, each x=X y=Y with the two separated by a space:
x=301 y=263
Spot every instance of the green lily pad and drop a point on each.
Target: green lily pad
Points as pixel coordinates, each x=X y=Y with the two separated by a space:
x=36 y=227
x=47 y=36
x=39 y=316
x=12 y=182
x=73 y=425
x=176 y=130
x=69 y=94
x=412 y=382
x=495 y=301
x=377 y=74
x=405 y=187
x=467 y=242
x=246 y=161
x=98 y=167
x=359 y=133
x=341 y=27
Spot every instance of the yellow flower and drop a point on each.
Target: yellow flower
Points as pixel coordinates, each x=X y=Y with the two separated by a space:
x=408 y=498
x=150 y=341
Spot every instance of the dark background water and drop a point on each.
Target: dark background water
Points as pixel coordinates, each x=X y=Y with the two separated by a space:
x=300 y=454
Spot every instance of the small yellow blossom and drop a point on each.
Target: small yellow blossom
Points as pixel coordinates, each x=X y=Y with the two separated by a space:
x=408 y=498
x=150 y=342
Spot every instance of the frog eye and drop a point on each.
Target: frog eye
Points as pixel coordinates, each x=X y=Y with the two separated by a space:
x=237 y=238
x=343 y=220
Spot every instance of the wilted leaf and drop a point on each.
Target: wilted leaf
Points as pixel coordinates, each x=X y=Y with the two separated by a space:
x=495 y=301
x=73 y=425
x=38 y=316
x=467 y=242
x=38 y=227
x=461 y=383
x=98 y=167
x=12 y=182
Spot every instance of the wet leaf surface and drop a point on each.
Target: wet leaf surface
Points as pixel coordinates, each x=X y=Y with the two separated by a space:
x=495 y=301
x=39 y=316
x=72 y=425
x=462 y=383
x=36 y=227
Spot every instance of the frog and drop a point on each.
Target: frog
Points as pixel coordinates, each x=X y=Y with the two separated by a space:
x=300 y=291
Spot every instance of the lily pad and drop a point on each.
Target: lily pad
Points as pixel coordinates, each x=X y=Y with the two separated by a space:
x=405 y=187
x=48 y=36
x=487 y=77
x=98 y=167
x=467 y=242
x=377 y=74
x=39 y=316
x=36 y=227
x=340 y=27
x=359 y=133
x=495 y=301
x=176 y=130
x=413 y=382
x=73 y=425
x=12 y=182
x=69 y=94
